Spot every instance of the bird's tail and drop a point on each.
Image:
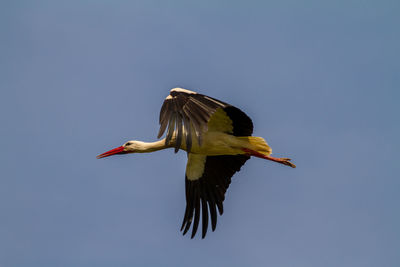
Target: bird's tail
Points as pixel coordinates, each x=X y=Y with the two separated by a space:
x=257 y=144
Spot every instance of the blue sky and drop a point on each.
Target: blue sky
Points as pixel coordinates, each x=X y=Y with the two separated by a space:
x=320 y=79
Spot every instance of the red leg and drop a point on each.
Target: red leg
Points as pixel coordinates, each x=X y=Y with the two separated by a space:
x=283 y=161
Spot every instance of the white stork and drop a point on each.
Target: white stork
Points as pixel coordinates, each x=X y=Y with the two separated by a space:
x=218 y=141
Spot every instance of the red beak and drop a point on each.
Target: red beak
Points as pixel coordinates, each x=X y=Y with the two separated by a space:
x=118 y=150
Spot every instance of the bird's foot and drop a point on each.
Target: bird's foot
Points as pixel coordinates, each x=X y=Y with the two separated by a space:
x=286 y=161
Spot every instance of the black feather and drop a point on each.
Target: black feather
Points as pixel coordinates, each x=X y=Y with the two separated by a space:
x=208 y=192
x=183 y=106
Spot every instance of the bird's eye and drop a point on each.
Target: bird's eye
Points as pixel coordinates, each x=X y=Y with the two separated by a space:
x=128 y=144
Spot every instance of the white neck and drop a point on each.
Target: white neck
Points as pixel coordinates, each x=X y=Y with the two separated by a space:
x=145 y=147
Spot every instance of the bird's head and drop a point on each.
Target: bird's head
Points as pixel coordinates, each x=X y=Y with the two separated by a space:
x=128 y=147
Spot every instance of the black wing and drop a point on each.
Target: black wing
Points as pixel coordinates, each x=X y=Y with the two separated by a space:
x=186 y=112
x=206 y=194
x=207 y=184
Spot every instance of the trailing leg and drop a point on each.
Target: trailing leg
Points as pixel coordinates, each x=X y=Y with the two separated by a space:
x=284 y=161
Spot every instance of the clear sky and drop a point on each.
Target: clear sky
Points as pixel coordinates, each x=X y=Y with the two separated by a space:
x=320 y=79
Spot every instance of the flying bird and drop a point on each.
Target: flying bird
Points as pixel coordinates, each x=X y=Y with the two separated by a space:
x=217 y=139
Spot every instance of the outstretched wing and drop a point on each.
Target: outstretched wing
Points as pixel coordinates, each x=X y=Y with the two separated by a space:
x=207 y=179
x=186 y=112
